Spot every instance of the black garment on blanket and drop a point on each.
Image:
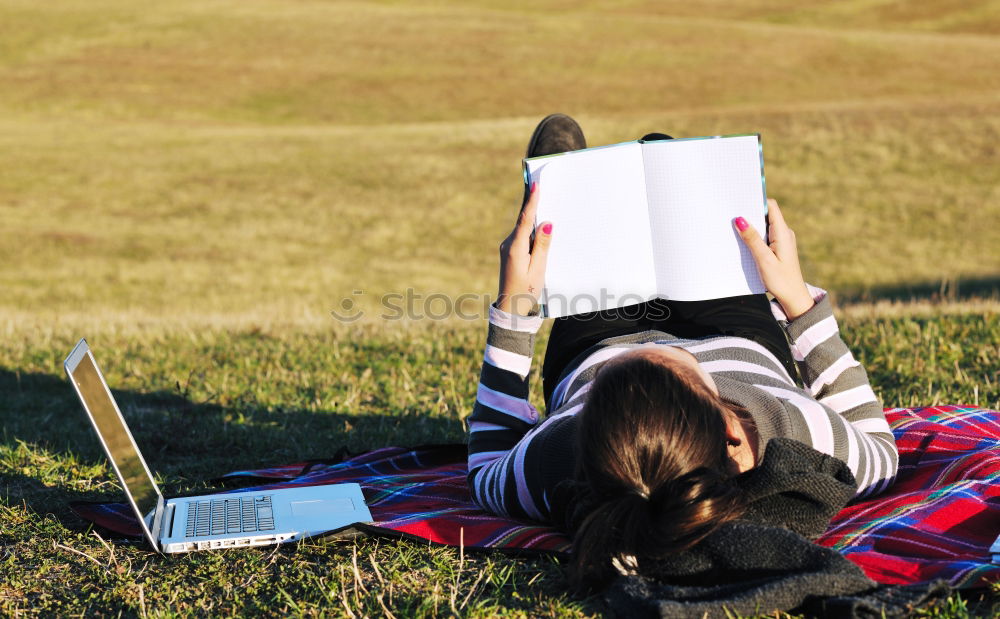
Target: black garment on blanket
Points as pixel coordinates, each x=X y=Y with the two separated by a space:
x=764 y=561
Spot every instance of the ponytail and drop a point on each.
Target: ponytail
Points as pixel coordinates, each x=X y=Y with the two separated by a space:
x=654 y=467
x=603 y=537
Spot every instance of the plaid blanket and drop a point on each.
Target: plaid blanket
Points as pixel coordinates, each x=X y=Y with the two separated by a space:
x=936 y=522
x=941 y=515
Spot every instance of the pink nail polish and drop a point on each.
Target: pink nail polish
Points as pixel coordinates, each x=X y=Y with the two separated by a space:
x=534 y=186
x=547 y=228
x=741 y=224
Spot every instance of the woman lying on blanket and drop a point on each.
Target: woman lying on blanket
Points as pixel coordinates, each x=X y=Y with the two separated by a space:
x=655 y=408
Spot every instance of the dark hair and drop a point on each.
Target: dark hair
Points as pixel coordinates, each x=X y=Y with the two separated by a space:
x=653 y=464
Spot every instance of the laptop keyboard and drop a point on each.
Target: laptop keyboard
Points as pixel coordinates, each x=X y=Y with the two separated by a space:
x=236 y=515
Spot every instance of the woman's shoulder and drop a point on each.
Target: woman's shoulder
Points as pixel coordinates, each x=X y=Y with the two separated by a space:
x=551 y=457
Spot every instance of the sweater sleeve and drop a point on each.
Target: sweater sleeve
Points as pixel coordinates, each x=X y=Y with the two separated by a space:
x=502 y=415
x=853 y=426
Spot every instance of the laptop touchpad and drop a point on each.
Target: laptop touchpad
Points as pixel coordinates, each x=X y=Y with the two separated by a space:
x=322 y=507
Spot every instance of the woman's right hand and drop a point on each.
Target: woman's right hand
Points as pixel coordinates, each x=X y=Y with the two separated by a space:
x=522 y=260
x=778 y=264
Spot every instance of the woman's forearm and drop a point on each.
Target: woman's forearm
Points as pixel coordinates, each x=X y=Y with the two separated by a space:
x=502 y=414
x=858 y=430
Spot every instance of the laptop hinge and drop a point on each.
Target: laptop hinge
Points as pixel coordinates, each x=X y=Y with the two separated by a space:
x=157 y=525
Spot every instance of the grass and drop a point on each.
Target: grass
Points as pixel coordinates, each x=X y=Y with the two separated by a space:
x=177 y=163
x=205 y=402
x=196 y=186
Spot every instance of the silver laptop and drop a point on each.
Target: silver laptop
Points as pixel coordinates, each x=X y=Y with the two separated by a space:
x=228 y=520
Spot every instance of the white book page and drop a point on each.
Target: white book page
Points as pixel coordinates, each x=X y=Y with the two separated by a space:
x=696 y=188
x=601 y=255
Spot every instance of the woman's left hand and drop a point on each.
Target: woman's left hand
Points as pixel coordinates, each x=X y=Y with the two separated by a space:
x=522 y=261
x=778 y=263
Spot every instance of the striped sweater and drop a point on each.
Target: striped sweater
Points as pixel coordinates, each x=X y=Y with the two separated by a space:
x=516 y=458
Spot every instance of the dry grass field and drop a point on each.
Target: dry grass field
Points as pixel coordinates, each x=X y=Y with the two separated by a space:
x=196 y=185
x=269 y=158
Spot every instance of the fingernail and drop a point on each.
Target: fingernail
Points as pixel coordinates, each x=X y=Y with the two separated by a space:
x=741 y=224
x=547 y=228
x=534 y=186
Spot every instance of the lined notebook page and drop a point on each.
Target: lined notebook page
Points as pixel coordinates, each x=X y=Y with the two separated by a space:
x=696 y=188
x=601 y=254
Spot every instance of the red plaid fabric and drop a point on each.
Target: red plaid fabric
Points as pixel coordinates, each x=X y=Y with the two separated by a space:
x=937 y=521
x=941 y=515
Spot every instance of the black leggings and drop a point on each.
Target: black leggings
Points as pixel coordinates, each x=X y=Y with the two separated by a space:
x=746 y=316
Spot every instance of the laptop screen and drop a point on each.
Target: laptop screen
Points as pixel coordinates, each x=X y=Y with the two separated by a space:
x=115 y=435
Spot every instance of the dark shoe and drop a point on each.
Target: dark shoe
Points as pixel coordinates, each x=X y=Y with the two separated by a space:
x=557 y=133
x=655 y=137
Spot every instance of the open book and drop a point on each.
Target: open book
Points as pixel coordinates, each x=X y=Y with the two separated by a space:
x=641 y=220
